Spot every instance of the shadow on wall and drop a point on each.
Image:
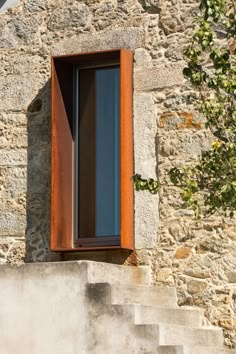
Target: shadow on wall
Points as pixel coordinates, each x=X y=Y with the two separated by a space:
x=38 y=190
x=38 y=178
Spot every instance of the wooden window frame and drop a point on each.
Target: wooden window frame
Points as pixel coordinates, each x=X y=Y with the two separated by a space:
x=62 y=150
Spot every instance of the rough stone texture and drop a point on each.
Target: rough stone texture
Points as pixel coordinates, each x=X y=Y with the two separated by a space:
x=197 y=257
x=160 y=77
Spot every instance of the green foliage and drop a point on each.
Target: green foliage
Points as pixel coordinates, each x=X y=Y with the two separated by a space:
x=141 y=184
x=210 y=184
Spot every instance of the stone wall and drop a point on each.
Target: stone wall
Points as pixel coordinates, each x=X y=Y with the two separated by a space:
x=198 y=258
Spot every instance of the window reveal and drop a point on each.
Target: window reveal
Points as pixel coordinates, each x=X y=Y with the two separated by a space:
x=99 y=158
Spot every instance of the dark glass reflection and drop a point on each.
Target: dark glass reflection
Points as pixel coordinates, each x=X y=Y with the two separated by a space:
x=98 y=151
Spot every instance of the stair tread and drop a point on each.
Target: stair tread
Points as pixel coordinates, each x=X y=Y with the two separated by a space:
x=135 y=294
x=98 y=271
x=159 y=314
x=208 y=350
x=210 y=328
x=190 y=336
x=180 y=349
x=141 y=286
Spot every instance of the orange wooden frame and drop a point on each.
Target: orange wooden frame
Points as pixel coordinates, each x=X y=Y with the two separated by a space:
x=62 y=147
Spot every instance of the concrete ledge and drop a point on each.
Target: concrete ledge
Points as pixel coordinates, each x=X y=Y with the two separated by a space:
x=93 y=272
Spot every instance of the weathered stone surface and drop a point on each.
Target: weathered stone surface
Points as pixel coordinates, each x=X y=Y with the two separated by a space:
x=183 y=145
x=9 y=137
x=13 y=181
x=197 y=273
x=146 y=220
x=16 y=253
x=21 y=63
x=146 y=205
x=13 y=157
x=35 y=5
x=196 y=286
x=105 y=14
x=179 y=120
x=142 y=58
x=16 y=92
x=145 y=129
x=182 y=252
x=170 y=24
x=165 y=276
x=12 y=119
x=159 y=77
x=227 y=323
x=76 y=15
x=129 y=38
x=12 y=218
x=152 y=6
x=19 y=31
x=231 y=277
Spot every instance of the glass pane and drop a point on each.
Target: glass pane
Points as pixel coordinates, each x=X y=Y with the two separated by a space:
x=107 y=149
x=98 y=151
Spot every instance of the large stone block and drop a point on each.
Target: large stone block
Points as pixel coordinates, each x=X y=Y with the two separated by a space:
x=130 y=38
x=19 y=31
x=13 y=119
x=146 y=204
x=13 y=181
x=183 y=144
x=31 y=6
x=145 y=130
x=12 y=218
x=13 y=137
x=21 y=63
x=10 y=157
x=142 y=58
x=180 y=120
x=146 y=219
x=76 y=15
x=16 y=92
x=168 y=75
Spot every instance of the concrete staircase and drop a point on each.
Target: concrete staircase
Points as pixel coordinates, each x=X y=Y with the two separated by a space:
x=86 y=307
x=135 y=317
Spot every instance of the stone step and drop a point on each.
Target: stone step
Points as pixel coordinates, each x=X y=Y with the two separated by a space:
x=99 y=272
x=152 y=315
x=174 y=316
x=119 y=294
x=189 y=336
x=207 y=350
x=170 y=349
x=119 y=319
x=179 y=349
x=114 y=331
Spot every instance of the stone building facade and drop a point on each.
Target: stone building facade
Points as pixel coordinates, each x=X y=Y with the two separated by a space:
x=196 y=257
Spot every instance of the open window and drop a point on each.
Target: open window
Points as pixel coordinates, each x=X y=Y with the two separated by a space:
x=92 y=151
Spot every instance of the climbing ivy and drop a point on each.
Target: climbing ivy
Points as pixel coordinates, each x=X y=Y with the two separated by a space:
x=210 y=184
x=141 y=184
